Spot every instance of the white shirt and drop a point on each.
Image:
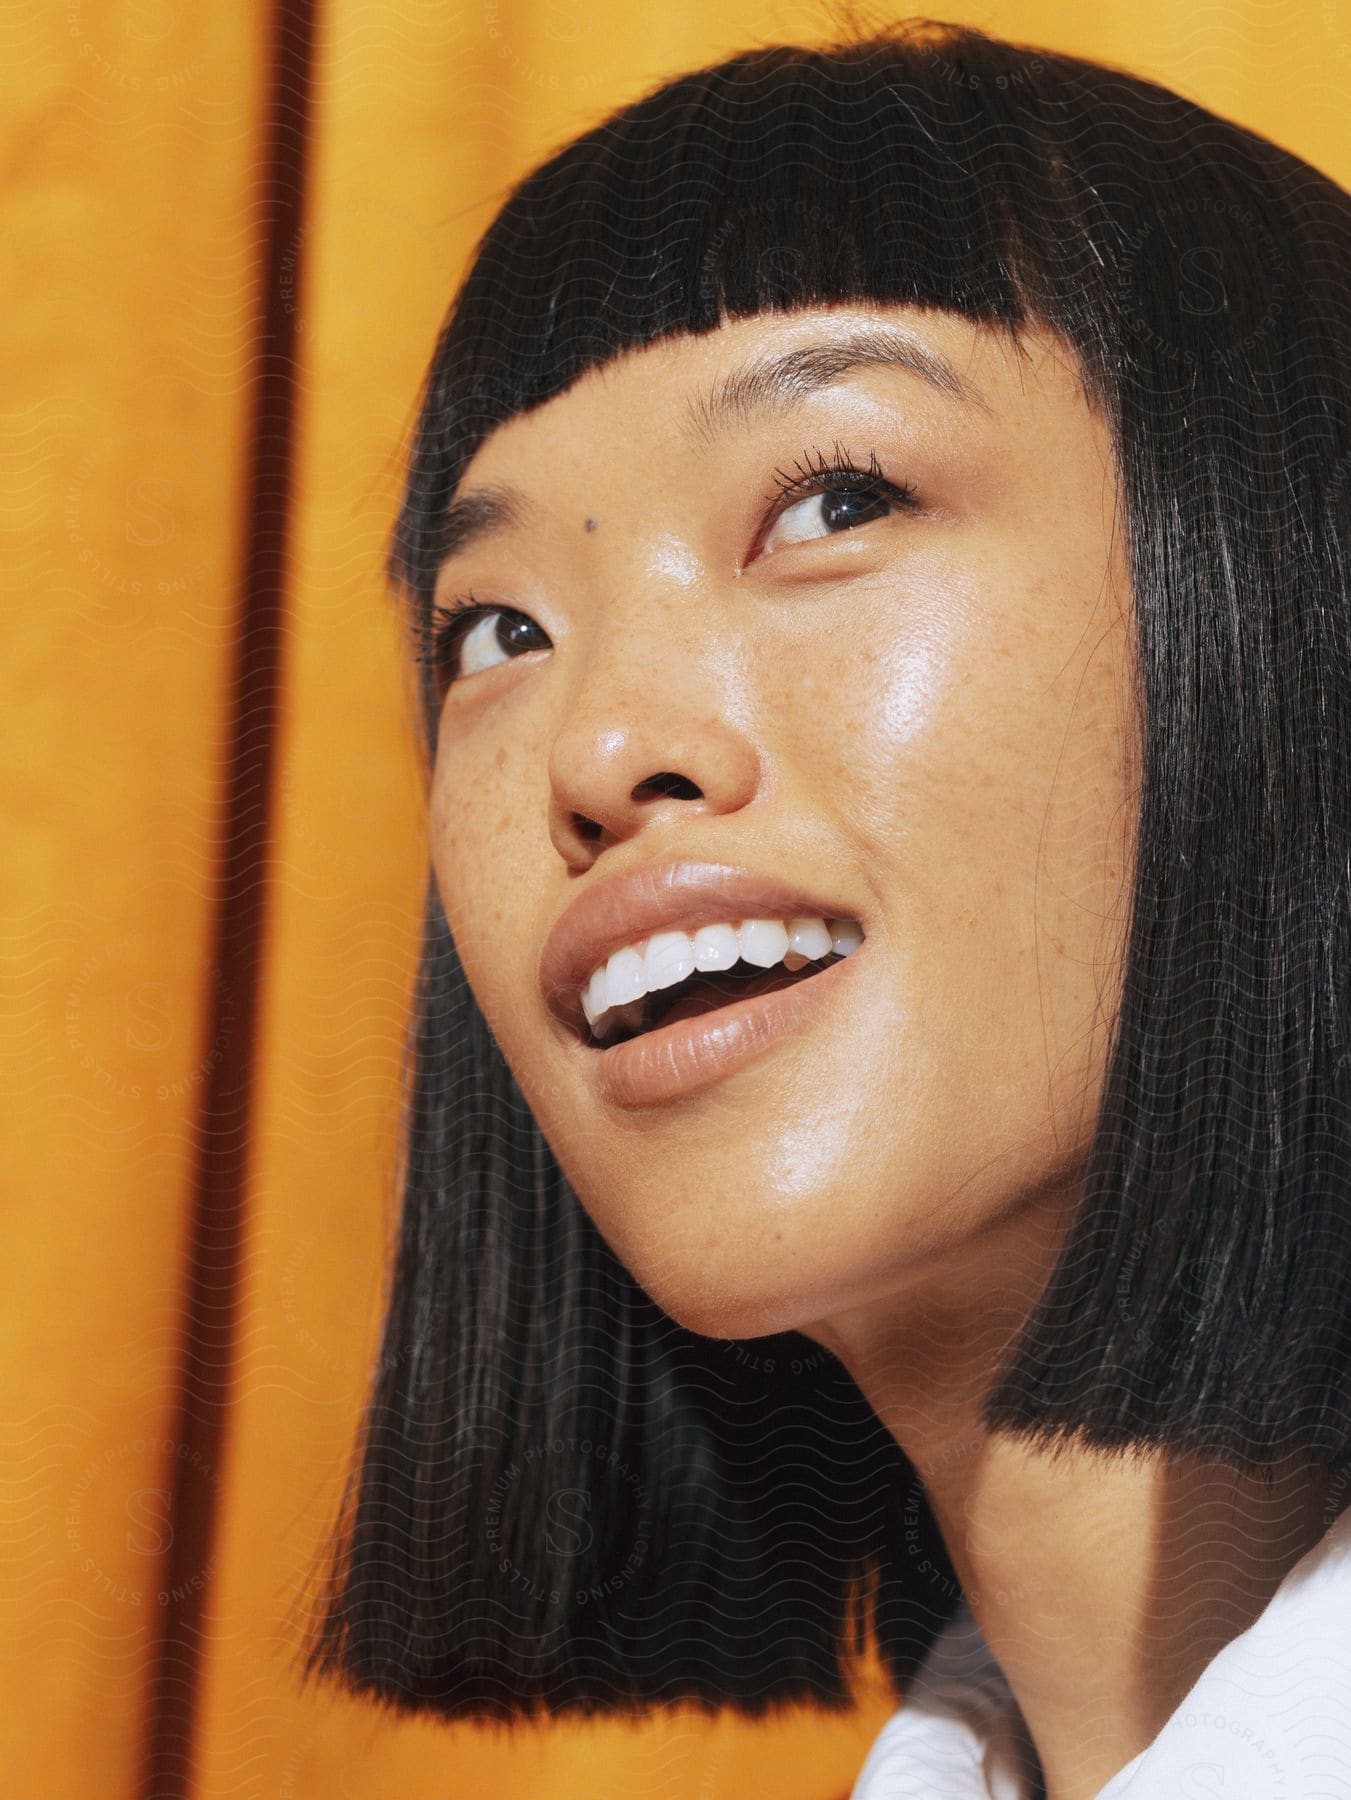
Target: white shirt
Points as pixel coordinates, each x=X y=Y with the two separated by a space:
x=1269 y=1718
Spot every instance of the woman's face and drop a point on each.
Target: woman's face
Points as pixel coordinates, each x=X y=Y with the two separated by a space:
x=916 y=714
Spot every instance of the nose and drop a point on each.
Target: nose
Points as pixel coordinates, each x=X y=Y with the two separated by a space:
x=640 y=750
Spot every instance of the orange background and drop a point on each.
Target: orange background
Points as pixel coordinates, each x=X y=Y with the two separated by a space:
x=132 y=251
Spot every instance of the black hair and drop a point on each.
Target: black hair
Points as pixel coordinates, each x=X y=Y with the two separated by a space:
x=561 y=1499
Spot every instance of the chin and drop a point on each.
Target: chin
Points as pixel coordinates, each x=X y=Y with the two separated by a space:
x=720 y=1307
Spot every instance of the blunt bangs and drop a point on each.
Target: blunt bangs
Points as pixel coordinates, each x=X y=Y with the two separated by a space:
x=560 y=1499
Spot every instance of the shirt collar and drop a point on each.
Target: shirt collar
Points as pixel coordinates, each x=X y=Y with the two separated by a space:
x=1270 y=1714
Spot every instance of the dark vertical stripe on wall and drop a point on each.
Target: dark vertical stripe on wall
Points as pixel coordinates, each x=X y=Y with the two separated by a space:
x=211 y=1279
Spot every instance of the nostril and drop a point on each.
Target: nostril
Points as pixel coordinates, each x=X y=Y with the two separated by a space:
x=677 y=785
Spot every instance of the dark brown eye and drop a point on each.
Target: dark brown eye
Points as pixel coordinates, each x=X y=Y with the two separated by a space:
x=829 y=495
x=825 y=514
x=470 y=638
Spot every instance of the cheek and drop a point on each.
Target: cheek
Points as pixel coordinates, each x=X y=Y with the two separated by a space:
x=485 y=853
x=985 y=778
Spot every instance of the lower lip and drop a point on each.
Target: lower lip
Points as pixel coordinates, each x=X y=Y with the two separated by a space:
x=676 y=1060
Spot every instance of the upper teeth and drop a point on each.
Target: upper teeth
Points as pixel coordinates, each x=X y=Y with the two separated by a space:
x=669 y=956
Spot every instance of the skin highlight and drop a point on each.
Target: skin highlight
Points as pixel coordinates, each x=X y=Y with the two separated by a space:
x=930 y=714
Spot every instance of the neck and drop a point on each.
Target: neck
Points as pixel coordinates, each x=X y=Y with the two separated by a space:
x=1103 y=1583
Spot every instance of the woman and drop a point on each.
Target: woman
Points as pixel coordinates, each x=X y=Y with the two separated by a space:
x=879 y=1141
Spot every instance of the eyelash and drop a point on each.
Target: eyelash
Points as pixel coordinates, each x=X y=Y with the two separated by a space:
x=820 y=474
x=838 y=470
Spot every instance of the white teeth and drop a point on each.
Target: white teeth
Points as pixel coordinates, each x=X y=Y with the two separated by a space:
x=624 y=977
x=845 y=935
x=809 y=938
x=669 y=958
x=763 y=941
x=616 y=992
x=716 y=946
x=593 y=1000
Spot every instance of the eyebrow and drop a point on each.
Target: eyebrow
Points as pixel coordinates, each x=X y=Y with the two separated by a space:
x=766 y=384
x=773 y=383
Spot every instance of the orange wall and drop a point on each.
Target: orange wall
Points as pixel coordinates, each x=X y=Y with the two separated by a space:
x=132 y=134
x=126 y=268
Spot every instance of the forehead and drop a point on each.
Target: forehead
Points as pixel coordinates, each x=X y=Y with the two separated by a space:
x=749 y=366
x=945 y=376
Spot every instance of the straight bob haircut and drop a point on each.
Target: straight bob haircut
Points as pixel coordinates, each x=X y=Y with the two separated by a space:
x=563 y=1501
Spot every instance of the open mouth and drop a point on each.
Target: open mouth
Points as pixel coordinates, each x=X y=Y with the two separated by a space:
x=699 y=993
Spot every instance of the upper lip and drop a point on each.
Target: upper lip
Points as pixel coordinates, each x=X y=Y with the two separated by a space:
x=625 y=908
